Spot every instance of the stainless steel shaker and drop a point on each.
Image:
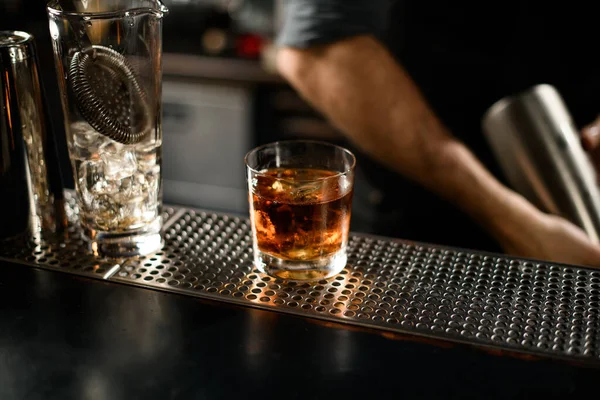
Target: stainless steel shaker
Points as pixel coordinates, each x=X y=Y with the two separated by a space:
x=31 y=192
x=538 y=147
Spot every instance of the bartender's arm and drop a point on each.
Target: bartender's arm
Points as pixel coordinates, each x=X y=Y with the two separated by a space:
x=352 y=79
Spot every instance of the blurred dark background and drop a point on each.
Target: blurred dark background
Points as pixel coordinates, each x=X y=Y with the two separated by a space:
x=222 y=97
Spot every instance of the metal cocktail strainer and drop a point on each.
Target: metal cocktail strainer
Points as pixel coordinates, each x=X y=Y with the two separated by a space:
x=109 y=95
x=107 y=91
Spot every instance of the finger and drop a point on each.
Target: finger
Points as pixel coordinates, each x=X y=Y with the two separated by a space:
x=594 y=156
x=590 y=135
x=595 y=159
x=593 y=257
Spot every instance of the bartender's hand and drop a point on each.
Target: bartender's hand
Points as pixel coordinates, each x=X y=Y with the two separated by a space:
x=551 y=238
x=548 y=237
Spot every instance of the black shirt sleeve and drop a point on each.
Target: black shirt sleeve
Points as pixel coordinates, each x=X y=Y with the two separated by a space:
x=314 y=22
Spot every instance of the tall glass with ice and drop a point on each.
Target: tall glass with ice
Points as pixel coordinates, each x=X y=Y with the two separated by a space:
x=108 y=60
x=300 y=205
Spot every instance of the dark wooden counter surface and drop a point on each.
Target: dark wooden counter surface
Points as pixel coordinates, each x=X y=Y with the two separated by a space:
x=65 y=337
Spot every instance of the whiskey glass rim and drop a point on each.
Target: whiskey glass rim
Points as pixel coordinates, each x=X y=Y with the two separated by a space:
x=339 y=174
x=159 y=10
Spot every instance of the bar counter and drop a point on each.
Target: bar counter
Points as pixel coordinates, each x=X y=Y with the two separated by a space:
x=198 y=321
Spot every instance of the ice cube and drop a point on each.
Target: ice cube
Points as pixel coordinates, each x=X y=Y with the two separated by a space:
x=278 y=186
x=264 y=226
x=105 y=212
x=151 y=191
x=147 y=147
x=90 y=181
x=93 y=181
x=85 y=136
x=282 y=189
x=146 y=160
x=152 y=181
x=130 y=211
x=132 y=188
x=119 y=160
x=86 y=141
x=308 y=192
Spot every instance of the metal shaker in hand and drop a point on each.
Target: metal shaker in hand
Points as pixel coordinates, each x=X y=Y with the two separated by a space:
x=538 y=147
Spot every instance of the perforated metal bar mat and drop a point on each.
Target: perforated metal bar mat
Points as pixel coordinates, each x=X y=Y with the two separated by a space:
x=442 y=293
x=67 y=253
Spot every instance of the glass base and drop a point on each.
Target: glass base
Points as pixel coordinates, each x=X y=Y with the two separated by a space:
x=312 y=270
x=142 y=242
